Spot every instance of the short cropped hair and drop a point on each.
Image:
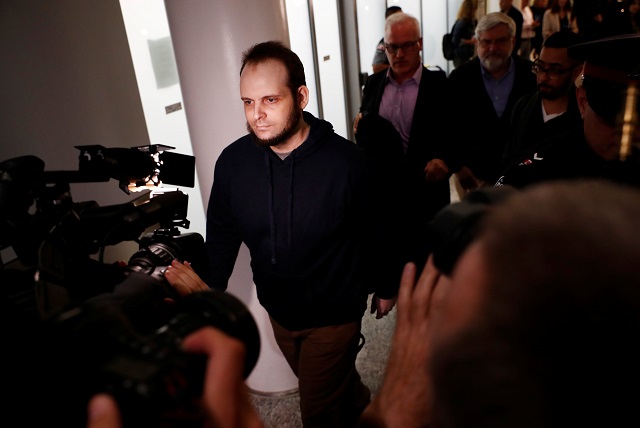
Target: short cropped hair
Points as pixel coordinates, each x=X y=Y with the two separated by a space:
x=391 y=10
x=276 y=50
x=562 y=39
x=493 y=19
x=401 y=17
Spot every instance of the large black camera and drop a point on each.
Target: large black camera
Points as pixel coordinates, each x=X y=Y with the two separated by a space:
x=455 y=226
x=75 y=325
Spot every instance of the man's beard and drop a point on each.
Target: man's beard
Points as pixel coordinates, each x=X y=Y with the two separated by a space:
x=494 y=62
x=290 y=128
x=552 y=93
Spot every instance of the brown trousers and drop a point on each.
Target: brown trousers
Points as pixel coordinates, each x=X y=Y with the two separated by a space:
x=324 y=360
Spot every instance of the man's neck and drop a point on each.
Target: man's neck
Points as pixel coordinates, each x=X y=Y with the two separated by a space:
x=293 y=142
x=556 y=106
x=404 y=77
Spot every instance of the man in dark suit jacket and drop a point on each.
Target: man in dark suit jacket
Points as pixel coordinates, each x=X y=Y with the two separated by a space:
x=405 y=111
x=487 y=88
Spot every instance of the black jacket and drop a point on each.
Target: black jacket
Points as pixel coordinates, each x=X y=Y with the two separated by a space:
x=567 y=156
x=528 y=127
x=428 y=139
x=484 y=133
x=302 y=221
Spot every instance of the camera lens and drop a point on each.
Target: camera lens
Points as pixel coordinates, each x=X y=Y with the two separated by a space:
x=455 y=226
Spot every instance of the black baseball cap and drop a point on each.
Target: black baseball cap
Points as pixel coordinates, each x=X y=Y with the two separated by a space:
x=610 y=65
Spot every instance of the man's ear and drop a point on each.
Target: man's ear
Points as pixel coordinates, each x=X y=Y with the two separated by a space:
x=303 y=97
x=577 y=72
x=581 y=98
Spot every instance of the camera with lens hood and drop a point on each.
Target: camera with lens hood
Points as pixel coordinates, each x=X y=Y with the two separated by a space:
x=455 y=226
x=75 y=325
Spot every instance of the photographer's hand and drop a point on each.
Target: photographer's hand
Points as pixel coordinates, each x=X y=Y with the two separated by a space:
x=225 y=397
x=382 y=307
x=184 y=279
x=103 y=412
x=404 y=398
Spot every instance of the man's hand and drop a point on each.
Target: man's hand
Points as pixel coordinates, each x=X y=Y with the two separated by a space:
x=225 y=396
x=382 y=307
x=355 y=123
x=467 y=180
x=405 y=396
x=184 y=279
x=103 y=412
x=436 y=170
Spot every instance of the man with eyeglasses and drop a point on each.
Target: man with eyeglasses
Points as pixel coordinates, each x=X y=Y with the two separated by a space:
x=487 y=87
x=404 y=112
x=552 y=109
x=607 y=145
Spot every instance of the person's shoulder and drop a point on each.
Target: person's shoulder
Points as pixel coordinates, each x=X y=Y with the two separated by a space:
x=433 y=72
x=239 y=147
x=376 y=77
x=524 y=74
x=322 y=131
x=527 y=101
x=523 y=63
x=464 y=71
x=337 y=150
x=375 y=80
x=515 y=14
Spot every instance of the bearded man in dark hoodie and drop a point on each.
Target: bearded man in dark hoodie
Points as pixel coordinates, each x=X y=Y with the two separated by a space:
x=300 y=198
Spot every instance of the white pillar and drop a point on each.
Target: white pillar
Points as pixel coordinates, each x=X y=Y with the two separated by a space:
x=209 y=37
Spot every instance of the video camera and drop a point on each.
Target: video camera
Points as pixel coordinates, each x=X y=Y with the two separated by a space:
x=76 y=325
x=455 y=226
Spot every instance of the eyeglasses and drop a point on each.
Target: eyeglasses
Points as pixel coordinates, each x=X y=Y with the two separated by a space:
x=502 y=41
x=553 y=71
x=406 y=47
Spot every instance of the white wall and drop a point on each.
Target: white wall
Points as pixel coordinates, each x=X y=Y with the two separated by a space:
x=370 y=16
x=330 y=65
x=299 y=27
x=67 y=79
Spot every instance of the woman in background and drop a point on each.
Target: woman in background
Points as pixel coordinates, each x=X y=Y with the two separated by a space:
x=557 y=18
x=538 y=9
x=463 y=32
x=529 y=26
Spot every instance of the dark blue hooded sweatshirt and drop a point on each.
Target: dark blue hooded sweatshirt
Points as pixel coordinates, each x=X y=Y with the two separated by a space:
x=304 y=220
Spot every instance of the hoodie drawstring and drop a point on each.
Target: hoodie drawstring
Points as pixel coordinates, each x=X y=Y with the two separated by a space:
x=272 y=220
